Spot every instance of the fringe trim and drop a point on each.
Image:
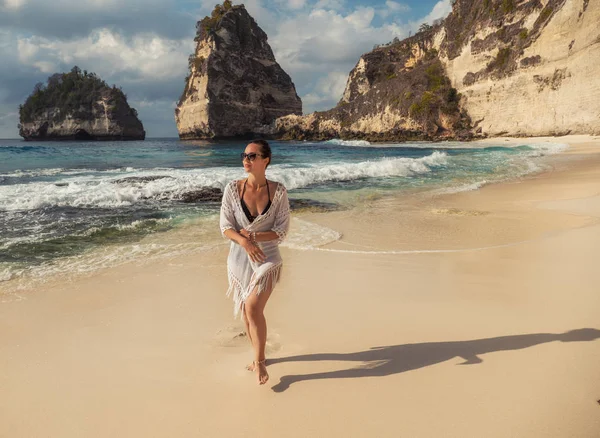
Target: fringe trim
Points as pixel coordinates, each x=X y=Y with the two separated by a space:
x=240 y=295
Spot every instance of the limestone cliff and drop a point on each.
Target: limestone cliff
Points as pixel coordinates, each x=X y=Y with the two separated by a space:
x=78 y=106
x=492 y=67
x=235 y=87
x=526 y=68
x=396 y=92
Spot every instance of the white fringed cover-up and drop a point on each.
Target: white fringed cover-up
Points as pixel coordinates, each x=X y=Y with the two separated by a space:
x=244 y=274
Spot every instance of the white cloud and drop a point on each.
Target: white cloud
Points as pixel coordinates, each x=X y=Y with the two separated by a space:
x=335 y=5
x=326 y=93
x=296 y=4
x=9 y=115
x=265 y=17
x=361 y=18
x=13 y=4
x=440 y=10
x=68 y=19
x=318 y=48
x=26 y=50
x=397 y=7
x=324 y=38
x=46 y=67
x=106 y=53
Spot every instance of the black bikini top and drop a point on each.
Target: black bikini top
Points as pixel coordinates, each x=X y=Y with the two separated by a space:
x=245 y=207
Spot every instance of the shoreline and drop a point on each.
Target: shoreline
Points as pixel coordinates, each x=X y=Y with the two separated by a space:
x=494 y=342
x=88 y=263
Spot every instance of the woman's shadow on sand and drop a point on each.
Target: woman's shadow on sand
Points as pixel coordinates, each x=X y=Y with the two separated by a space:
x=394 y=359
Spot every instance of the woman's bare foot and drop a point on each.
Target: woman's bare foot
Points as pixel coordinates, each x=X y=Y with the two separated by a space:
x=263 y=376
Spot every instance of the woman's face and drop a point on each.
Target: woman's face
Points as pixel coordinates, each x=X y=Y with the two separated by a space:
x=259 y=164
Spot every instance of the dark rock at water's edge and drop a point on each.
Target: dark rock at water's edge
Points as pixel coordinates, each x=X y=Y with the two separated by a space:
x=205 y=194
x=235 y=87
x=140 y=179
x=78 y=106
x=215 y=195
x=314 y=206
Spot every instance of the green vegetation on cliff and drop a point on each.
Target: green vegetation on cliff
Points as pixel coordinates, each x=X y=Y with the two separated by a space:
x=512 y=34
x=72 y=93
x=209 y=24
x=439 y=97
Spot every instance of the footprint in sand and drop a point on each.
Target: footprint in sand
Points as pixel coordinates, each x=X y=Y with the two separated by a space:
x=231 y=336
x=459 y=212
x=235 y=336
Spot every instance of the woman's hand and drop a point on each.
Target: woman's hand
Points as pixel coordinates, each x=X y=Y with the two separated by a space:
x=245 y=233
x=254 y=252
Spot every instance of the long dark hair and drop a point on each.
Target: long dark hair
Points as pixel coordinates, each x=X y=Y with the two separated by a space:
x=265 y=149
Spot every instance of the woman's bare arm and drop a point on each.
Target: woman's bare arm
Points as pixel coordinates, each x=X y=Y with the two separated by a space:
x=254 y=252
x=260 y=236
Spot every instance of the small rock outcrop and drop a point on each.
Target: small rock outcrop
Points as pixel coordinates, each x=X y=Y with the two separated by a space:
x=78 y=106
x=235 y=87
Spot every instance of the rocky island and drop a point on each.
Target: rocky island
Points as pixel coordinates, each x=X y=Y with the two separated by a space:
x=78 y=106
x=235 y=87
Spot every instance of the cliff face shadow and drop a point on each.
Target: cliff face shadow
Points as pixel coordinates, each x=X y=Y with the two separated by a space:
x=394 y=359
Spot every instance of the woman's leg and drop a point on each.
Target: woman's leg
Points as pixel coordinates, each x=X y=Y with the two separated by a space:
x=255 y=306
x=249 y=367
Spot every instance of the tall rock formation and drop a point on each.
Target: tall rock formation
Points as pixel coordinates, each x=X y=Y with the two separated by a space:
x=492 y=67
x=235 y=87
x=78 y=106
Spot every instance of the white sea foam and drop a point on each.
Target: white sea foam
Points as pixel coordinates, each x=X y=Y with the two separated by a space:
x=340 y=142
x=105 y=192
x=199 y=237
x=305 y=235
x=32 y=173
x=388 y=167
x=462 y=188
x=14 y=279
x=80 y=188
x=543 y=149
x=416 y=251
x=8 y=273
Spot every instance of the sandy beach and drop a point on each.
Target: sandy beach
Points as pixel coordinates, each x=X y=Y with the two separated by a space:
x=472 y=314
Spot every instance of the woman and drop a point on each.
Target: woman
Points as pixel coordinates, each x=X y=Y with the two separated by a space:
x=255 y=216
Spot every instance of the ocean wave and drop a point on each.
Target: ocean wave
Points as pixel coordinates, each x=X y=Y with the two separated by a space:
x=337 y=141
x=102 y=191
x=33 y=173
x=387 y=167
x=543 y=149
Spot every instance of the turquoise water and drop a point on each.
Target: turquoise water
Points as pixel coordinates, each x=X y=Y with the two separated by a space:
x=63 y=199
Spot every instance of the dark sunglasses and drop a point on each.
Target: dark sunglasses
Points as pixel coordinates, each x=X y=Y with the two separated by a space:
x=251 y=156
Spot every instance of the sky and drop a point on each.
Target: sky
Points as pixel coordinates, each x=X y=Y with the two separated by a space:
x=143 y=46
